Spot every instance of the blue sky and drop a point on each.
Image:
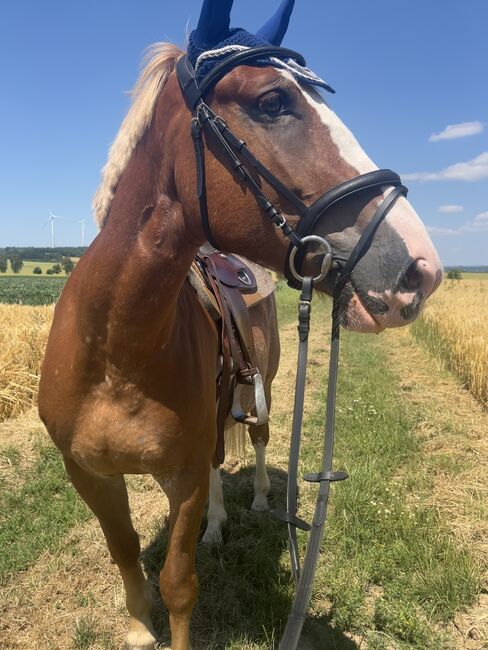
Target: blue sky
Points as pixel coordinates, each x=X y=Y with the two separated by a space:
x=403 y=71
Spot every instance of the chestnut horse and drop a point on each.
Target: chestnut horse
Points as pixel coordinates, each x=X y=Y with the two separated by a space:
x=128 y=381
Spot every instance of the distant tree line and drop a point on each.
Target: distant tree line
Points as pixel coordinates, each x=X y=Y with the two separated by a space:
x=467 y=269
x=454 y=274
x=39 y=254
x=16 y=263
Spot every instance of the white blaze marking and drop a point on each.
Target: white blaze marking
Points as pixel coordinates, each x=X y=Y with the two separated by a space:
x=349 y=148
x=402 y=217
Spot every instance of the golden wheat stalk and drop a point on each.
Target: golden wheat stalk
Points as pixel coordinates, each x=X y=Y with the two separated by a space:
x=23 y=337
x=455 y=327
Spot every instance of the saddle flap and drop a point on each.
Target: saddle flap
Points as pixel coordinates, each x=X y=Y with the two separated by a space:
x=232 y=272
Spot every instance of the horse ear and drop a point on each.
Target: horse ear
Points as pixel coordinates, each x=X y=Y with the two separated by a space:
x=213 y=25
x=275 y=29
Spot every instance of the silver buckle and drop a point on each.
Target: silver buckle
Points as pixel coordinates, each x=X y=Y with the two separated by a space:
x=326 y=261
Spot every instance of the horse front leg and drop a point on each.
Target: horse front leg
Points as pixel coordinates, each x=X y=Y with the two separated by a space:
x=187 y=494
x=107 y=498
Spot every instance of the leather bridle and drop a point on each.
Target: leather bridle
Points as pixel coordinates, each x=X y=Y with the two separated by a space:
x=236 y=153
x=239 y=158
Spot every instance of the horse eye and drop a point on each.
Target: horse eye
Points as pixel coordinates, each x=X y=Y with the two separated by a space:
x=271 y=103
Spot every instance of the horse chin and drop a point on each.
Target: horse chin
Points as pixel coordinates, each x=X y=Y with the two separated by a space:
x=356 y=318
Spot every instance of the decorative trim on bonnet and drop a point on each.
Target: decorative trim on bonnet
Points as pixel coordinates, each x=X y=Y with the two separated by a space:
x=301 y=73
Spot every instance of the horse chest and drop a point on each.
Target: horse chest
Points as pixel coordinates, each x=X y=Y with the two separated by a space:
x=127 y=432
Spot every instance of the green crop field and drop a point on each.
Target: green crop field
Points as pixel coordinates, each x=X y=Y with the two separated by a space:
x=35 y=290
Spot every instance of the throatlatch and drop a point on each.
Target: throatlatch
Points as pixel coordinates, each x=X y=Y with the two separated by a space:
x=234 y=153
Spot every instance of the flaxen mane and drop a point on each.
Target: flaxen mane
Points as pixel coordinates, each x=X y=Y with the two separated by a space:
x=160 y=58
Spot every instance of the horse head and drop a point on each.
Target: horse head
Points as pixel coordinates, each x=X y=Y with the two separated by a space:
x=274 y=105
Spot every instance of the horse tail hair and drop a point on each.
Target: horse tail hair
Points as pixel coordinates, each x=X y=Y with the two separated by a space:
x=235 y=441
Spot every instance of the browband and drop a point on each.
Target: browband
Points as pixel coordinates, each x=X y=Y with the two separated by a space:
x=194 y=92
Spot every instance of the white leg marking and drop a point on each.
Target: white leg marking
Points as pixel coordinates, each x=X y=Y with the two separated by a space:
x=141 y=634
x=216 y=515
x=261 y=480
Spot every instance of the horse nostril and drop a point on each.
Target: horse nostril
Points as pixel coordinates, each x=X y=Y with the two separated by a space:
x=412 y=279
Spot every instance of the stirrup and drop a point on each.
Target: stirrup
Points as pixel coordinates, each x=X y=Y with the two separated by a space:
x=262 y=416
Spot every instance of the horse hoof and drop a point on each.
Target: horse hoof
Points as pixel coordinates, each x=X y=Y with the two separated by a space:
x=213 y=537
x=260 y=504
x=139 y=637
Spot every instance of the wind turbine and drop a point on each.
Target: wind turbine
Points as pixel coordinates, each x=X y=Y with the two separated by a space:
x=51 y=219
x=82 y=222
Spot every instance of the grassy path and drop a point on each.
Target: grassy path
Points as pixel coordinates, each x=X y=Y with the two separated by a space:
x=404 y=549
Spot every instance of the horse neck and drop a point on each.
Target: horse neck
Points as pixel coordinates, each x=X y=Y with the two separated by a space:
x=140 y=260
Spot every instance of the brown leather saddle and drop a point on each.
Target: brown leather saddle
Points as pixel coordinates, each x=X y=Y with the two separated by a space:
x=227 y=288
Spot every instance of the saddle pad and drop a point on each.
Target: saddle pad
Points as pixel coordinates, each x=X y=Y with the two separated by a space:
x=204 y=295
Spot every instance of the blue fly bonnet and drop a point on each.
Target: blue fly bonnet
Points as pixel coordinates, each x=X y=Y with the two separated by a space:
x=213 y=40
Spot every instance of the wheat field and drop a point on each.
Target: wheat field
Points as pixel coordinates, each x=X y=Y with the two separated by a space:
x=23 y=337
x=454 y=326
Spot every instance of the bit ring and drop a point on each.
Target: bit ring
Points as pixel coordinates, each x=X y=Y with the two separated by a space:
x=326 y=262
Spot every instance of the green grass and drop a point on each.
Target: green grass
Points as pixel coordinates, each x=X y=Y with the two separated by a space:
x=87 y=634
x=382 y=536
x=35 y=517
x=34 y=290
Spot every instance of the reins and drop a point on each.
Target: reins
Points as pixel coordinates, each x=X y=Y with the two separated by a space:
x=304 y=576
x=238 y=157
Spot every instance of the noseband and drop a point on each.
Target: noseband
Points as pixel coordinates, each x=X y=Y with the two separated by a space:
x=240 y=159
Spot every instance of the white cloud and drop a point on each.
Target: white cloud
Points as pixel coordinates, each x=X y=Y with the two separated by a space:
x=471 y=170
x=478 y=224
x=433 y=230
x=451 y=209
x=462 y=130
